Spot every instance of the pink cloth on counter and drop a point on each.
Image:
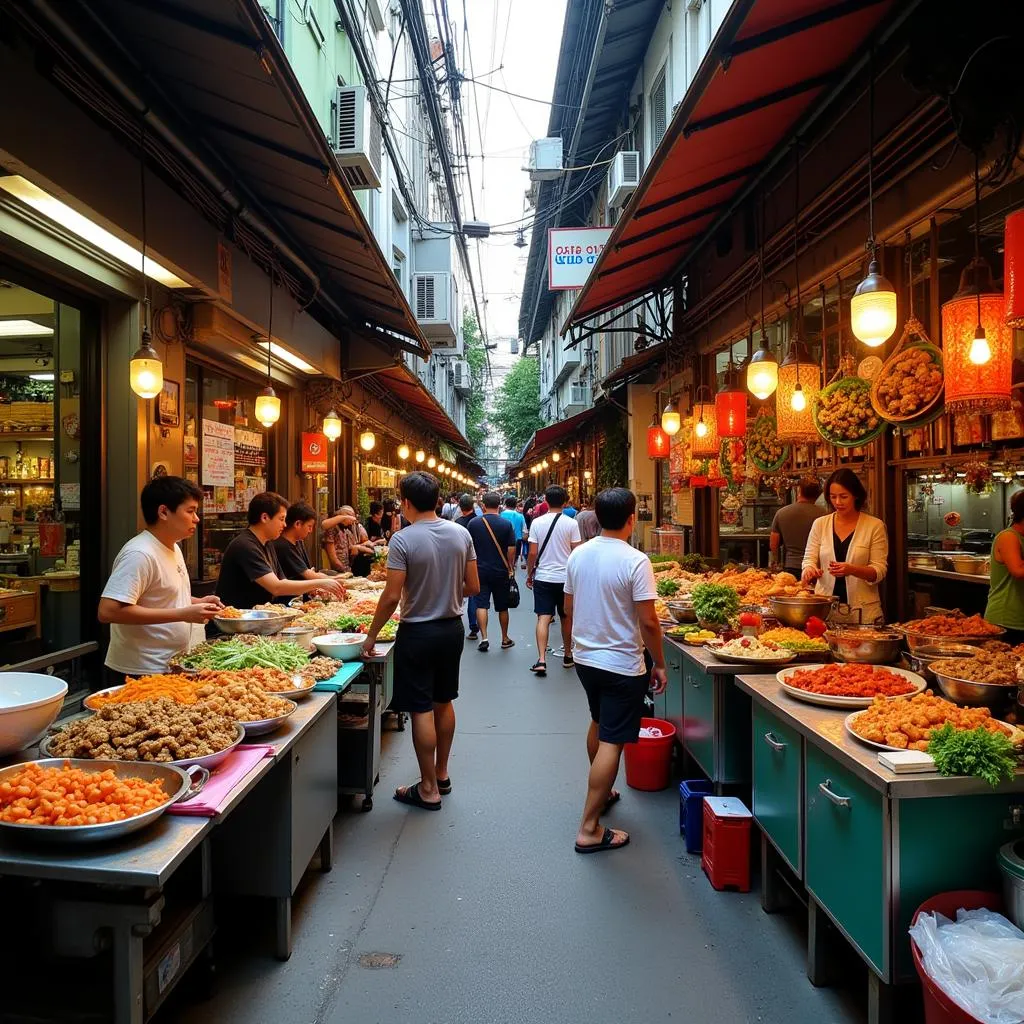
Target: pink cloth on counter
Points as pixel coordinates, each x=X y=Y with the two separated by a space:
x=223 y=779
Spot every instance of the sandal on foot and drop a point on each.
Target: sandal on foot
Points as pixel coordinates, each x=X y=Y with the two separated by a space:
x=506 y=644
x=484 y=646
x=567 y=662
x=607 y=843
x=412 y=797
x=539 y=668
x=611 y=802
x=444 y=786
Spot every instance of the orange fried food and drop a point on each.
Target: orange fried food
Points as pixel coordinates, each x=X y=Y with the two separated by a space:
x=908 y=724
x=953 y=625
x=229 y=613
x=179 y=688
x=75 y=796
x=851 y=681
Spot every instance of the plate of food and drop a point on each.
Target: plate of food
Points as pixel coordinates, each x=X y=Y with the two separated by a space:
x=801 y=644
x=679 y=631
x=908 y=724
x=849 y=685
x=961 y=629
x=255 y=620
x=700 y=637
x=749 y=650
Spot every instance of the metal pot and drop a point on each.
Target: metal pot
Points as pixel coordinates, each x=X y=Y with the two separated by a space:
x=921 y=658
x=1011 y=865
x=970 y=565
x=966 y=691
x=682 y=611
x=922 y=560
x=865 y=645
x=795 y=611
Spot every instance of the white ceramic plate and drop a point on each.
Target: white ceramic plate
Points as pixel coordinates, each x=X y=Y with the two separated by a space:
x=828 y=700
x=1011 y=733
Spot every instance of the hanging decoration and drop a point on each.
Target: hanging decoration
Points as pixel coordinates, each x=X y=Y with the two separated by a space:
x=767 y=453
x=731 y=405
x=732 y=459
x=145 y=371
x=799 y=385
x=658 y=442
x=763 y=368
x=1013 y=269
x=705 y=425
x=268 y=405
x=331 y=427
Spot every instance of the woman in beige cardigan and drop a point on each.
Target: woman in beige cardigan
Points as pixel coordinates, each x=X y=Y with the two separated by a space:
x=847 y=552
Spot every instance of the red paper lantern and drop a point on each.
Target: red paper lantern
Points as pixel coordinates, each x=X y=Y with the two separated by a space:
x=658 y=442
x=1013 y=269
x=731 y=413
x=698 y=481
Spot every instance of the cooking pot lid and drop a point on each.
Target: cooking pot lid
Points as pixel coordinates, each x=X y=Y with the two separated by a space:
x=1011 y=858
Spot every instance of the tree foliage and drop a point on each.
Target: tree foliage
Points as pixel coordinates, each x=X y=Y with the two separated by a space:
x=476 y=430
x=517 y=406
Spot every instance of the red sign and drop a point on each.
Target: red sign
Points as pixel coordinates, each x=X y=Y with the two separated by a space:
x=314 y=453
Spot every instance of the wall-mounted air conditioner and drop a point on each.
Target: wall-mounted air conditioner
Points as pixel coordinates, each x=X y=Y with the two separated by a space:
x=435 y=303
x=461 y=377
x=357 y=137
x=545 y=159
x=623 y=176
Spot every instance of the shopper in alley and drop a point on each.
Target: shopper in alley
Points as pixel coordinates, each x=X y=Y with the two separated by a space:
x=465 y=517
x=431 y=568
x=516 y=518
x=553 y=535
x=792 y=524
x=290 y=547
x=609 y=610
x=495 y=542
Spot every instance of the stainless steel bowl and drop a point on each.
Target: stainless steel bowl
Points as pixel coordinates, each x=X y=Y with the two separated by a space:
x=682 y=611
x=864 y=645
x=1011 y=864
x=301 y=635
x=915 y=641
x=966 y=691
x=969 y=565
x=795 y=611
x=257 y=621
x=266 y=725
x=921 y=658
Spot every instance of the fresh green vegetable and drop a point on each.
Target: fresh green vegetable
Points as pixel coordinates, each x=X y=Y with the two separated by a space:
x=230 y=655
x=715 y=602
x=694 y=563
x=361 y=623
x=988 y=755
x=684 y=630
x=667 y=588
x=655 y=559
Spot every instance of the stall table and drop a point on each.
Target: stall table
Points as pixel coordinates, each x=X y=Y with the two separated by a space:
x=868 y=845
x=359 y=745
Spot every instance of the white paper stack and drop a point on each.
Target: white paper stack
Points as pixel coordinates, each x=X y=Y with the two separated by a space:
x=904 y=761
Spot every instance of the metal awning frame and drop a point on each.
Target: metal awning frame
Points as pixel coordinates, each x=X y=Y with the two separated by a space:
x=662 y=331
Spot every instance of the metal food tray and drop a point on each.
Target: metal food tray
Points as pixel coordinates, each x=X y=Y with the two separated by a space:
x=739 y=659
x=178 y=784
x=257 y=621
x=262 y=727
x=915 y=639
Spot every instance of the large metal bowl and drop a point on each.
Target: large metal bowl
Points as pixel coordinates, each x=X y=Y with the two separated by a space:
x=864 y=645
x=795 y=611
x=177 y=784
x=257 y=621
x=682 y=611
x=261 y=728
x=966 y=691
x=922 y=658
x=915 y=641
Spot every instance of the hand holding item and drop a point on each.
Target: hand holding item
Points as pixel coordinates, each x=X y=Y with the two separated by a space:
x=529 y=582
x=369 y=648
x=811 y=574
x=840 y=569
x=659 y=679
x=332 y=586
x=202 y=613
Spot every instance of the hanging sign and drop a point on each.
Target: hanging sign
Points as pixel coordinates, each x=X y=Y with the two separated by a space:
x=314 y=453
x=218 y=454
x=572 y=253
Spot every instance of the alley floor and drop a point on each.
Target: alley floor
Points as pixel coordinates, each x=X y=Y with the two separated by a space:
x=485 y=913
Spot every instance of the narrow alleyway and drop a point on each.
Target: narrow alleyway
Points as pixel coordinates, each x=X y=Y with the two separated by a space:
x=494 y=917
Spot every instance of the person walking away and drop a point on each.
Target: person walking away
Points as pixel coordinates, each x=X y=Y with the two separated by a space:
x=495 y=542
x=451 y=508
x=552 y=538
x=466 y=507
x=792 y=525
x=148 y=600
x=609 y=605
x=518 y=526
x=587 y=522
x=375 y=525
x=431 y=567
x=290 y=547
x=1005 y=605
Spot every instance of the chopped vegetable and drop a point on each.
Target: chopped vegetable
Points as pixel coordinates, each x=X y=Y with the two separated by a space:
x=235 y=654
x=667 y=588
x=715 y=602
x=361 y=623
x=988 y=755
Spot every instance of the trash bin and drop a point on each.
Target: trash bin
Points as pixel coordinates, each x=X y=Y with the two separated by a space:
x=691 y=811
x=938 y=1007
x=649 y=760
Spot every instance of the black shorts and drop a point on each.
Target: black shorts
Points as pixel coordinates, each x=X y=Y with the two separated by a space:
x=496 y=585
x=616 y=702
x=548 y=598
x=427 y=656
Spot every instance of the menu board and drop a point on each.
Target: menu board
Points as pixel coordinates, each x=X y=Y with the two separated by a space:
x=218 y=454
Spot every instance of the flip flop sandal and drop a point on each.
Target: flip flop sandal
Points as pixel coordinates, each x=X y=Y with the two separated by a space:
x=484 y=646
x=607 y=843
x=506 y=644
x=611 y=802
x=444 y=786
x=539 y=668
x=412 y=797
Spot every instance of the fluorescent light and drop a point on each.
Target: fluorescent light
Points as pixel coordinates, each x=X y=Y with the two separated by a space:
x=51 y=207
x=288 y=357
x=41 y=376
x=24 y=329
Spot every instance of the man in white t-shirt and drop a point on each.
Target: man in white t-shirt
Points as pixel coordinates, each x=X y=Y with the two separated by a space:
x=609 y=607
x=552 y=538
x=148 y=598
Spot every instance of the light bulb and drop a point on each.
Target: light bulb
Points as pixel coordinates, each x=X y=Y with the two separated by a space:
x=670 y=420
x=762 y=374
x=146 y=372
x=268 y=407
x=332 y=426
x=431 y=462
x=367 y=440
x=873 y=308
x=701 y=429
x=544 y=464
x=798 y=400
x=555 y=457
x=403 y=452
x=980 y=352
x=420 y=455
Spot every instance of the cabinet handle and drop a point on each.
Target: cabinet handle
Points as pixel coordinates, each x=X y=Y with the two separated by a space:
x=772 y=742
x=694 y=683
x=839 y=801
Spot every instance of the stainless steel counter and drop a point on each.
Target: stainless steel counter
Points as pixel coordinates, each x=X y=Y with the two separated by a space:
x=825 y=728
x=707 y=661
x=942 y=574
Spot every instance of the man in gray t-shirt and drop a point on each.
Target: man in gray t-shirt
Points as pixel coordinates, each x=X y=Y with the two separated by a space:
x=792 y=524
x=431 y=568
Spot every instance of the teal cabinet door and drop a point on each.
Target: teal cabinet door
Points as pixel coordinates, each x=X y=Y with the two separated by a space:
x=673 y=695
x=699 y=723
x=733 y=731
x=778 y=784
x=846 y=840
x=658 y=711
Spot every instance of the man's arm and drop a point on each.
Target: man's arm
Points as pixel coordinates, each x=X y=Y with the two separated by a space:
x=389 y=598
x=773 y=544
x=650 y=630
x=199 y=610
x=568 y=609
x=531 y=562
x=471 y=579
x=277 y=587
x=332 y=557
x=207 y=600
x=510 y=555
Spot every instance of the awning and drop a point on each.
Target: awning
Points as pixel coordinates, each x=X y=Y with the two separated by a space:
x=551 y=437
x=410 y=393
x=225 y=72
x=633 y=366
x=770 y=63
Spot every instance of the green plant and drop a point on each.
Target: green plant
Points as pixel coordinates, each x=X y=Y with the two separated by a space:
x=694 y=563
x=476 y=356
x=612 y=470
x=988 y=755
x=363 y=502
x=517 y=405
x=667 y=588
x=715 y=602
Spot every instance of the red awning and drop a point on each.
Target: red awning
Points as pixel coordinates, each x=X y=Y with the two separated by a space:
x=633 y=366
x=408 y=389
x=770 y=63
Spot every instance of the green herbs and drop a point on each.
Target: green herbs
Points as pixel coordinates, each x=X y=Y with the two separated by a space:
x=694 y=563
x=667 y=588
x=361 y=623
x=715 y=602
x=230 y=655
x=988 y=755
x=655 y=559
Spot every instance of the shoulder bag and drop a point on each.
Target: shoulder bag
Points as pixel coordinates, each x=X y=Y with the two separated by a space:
x=513 y=587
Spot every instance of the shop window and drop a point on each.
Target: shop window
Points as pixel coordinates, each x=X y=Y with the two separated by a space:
x=659 y=109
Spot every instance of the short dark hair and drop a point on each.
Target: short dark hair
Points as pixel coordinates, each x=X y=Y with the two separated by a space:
x=466 y=503
x=613 y=507
x=510 y=501
x=169 y=491
x=375 y=507
x=492 y=499
x=1017 y=507
x=846 y=478
x=420 y=490
x=267 y=503
x=809 y=488
x=300 y=512
x=556 y=496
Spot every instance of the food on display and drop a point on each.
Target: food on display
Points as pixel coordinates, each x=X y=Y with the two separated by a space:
x=685 y=630
x=844 y=414
x=908 y=724
x=667 y=588
x=237 y=653
x=271 y=680
x=320 y=668
x=755 y=586
x=984 y=667
x=794 y=640
x=179 y=688
x=851 y=680
x=364 y=606
x=763 y=446
x=715 y=602
x=700 y=636
x=40 y=795
x=909 y=383
x=361 y=623
x=952 y=626
x=241 y=701
x=152 y=730
x=752 y=647
x=661 y=609
x=815 y=627
x=751 y=620
x=988 y=755
x=229 y=613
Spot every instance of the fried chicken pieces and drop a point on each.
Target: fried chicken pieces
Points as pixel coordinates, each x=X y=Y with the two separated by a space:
x=908 y=724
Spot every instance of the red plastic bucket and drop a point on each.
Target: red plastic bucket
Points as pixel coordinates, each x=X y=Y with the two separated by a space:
x=938 y=1007
x=649 y=760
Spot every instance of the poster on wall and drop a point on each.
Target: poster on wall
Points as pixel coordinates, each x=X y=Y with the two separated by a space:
x=314 y=453
x=218 y=454
x=572 y=253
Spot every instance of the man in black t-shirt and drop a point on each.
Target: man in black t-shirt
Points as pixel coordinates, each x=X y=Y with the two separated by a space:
x=495 y=541
x=375 y=524
x=290 y=547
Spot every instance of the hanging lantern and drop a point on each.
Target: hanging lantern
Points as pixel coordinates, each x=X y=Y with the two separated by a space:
x=670 y=419
x=973 y=383
x=146 y=372
x=367 y=440
x=658 y=441
x=873 y=308
x=403 y=452
x=332 y=426
x=705 y=426
x=1013 y=269
x=731 y=407
x=421 y=455
x=555 y=457
x=268 y=407
x=762 y=372
x=431 y=462
x=799 y=384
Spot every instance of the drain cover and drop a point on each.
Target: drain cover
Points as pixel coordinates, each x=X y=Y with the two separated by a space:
x=378 y=961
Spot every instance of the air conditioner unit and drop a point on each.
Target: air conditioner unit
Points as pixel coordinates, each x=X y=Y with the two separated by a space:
x=545 y=159
x=623 y=176
x=461 y=377
x=357 y=137
x=436 y=306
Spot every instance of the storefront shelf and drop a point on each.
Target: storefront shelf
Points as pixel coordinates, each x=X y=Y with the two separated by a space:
x=23 y=435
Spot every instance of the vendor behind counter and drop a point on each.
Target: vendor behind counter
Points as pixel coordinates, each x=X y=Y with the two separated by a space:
x=1005 y=605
